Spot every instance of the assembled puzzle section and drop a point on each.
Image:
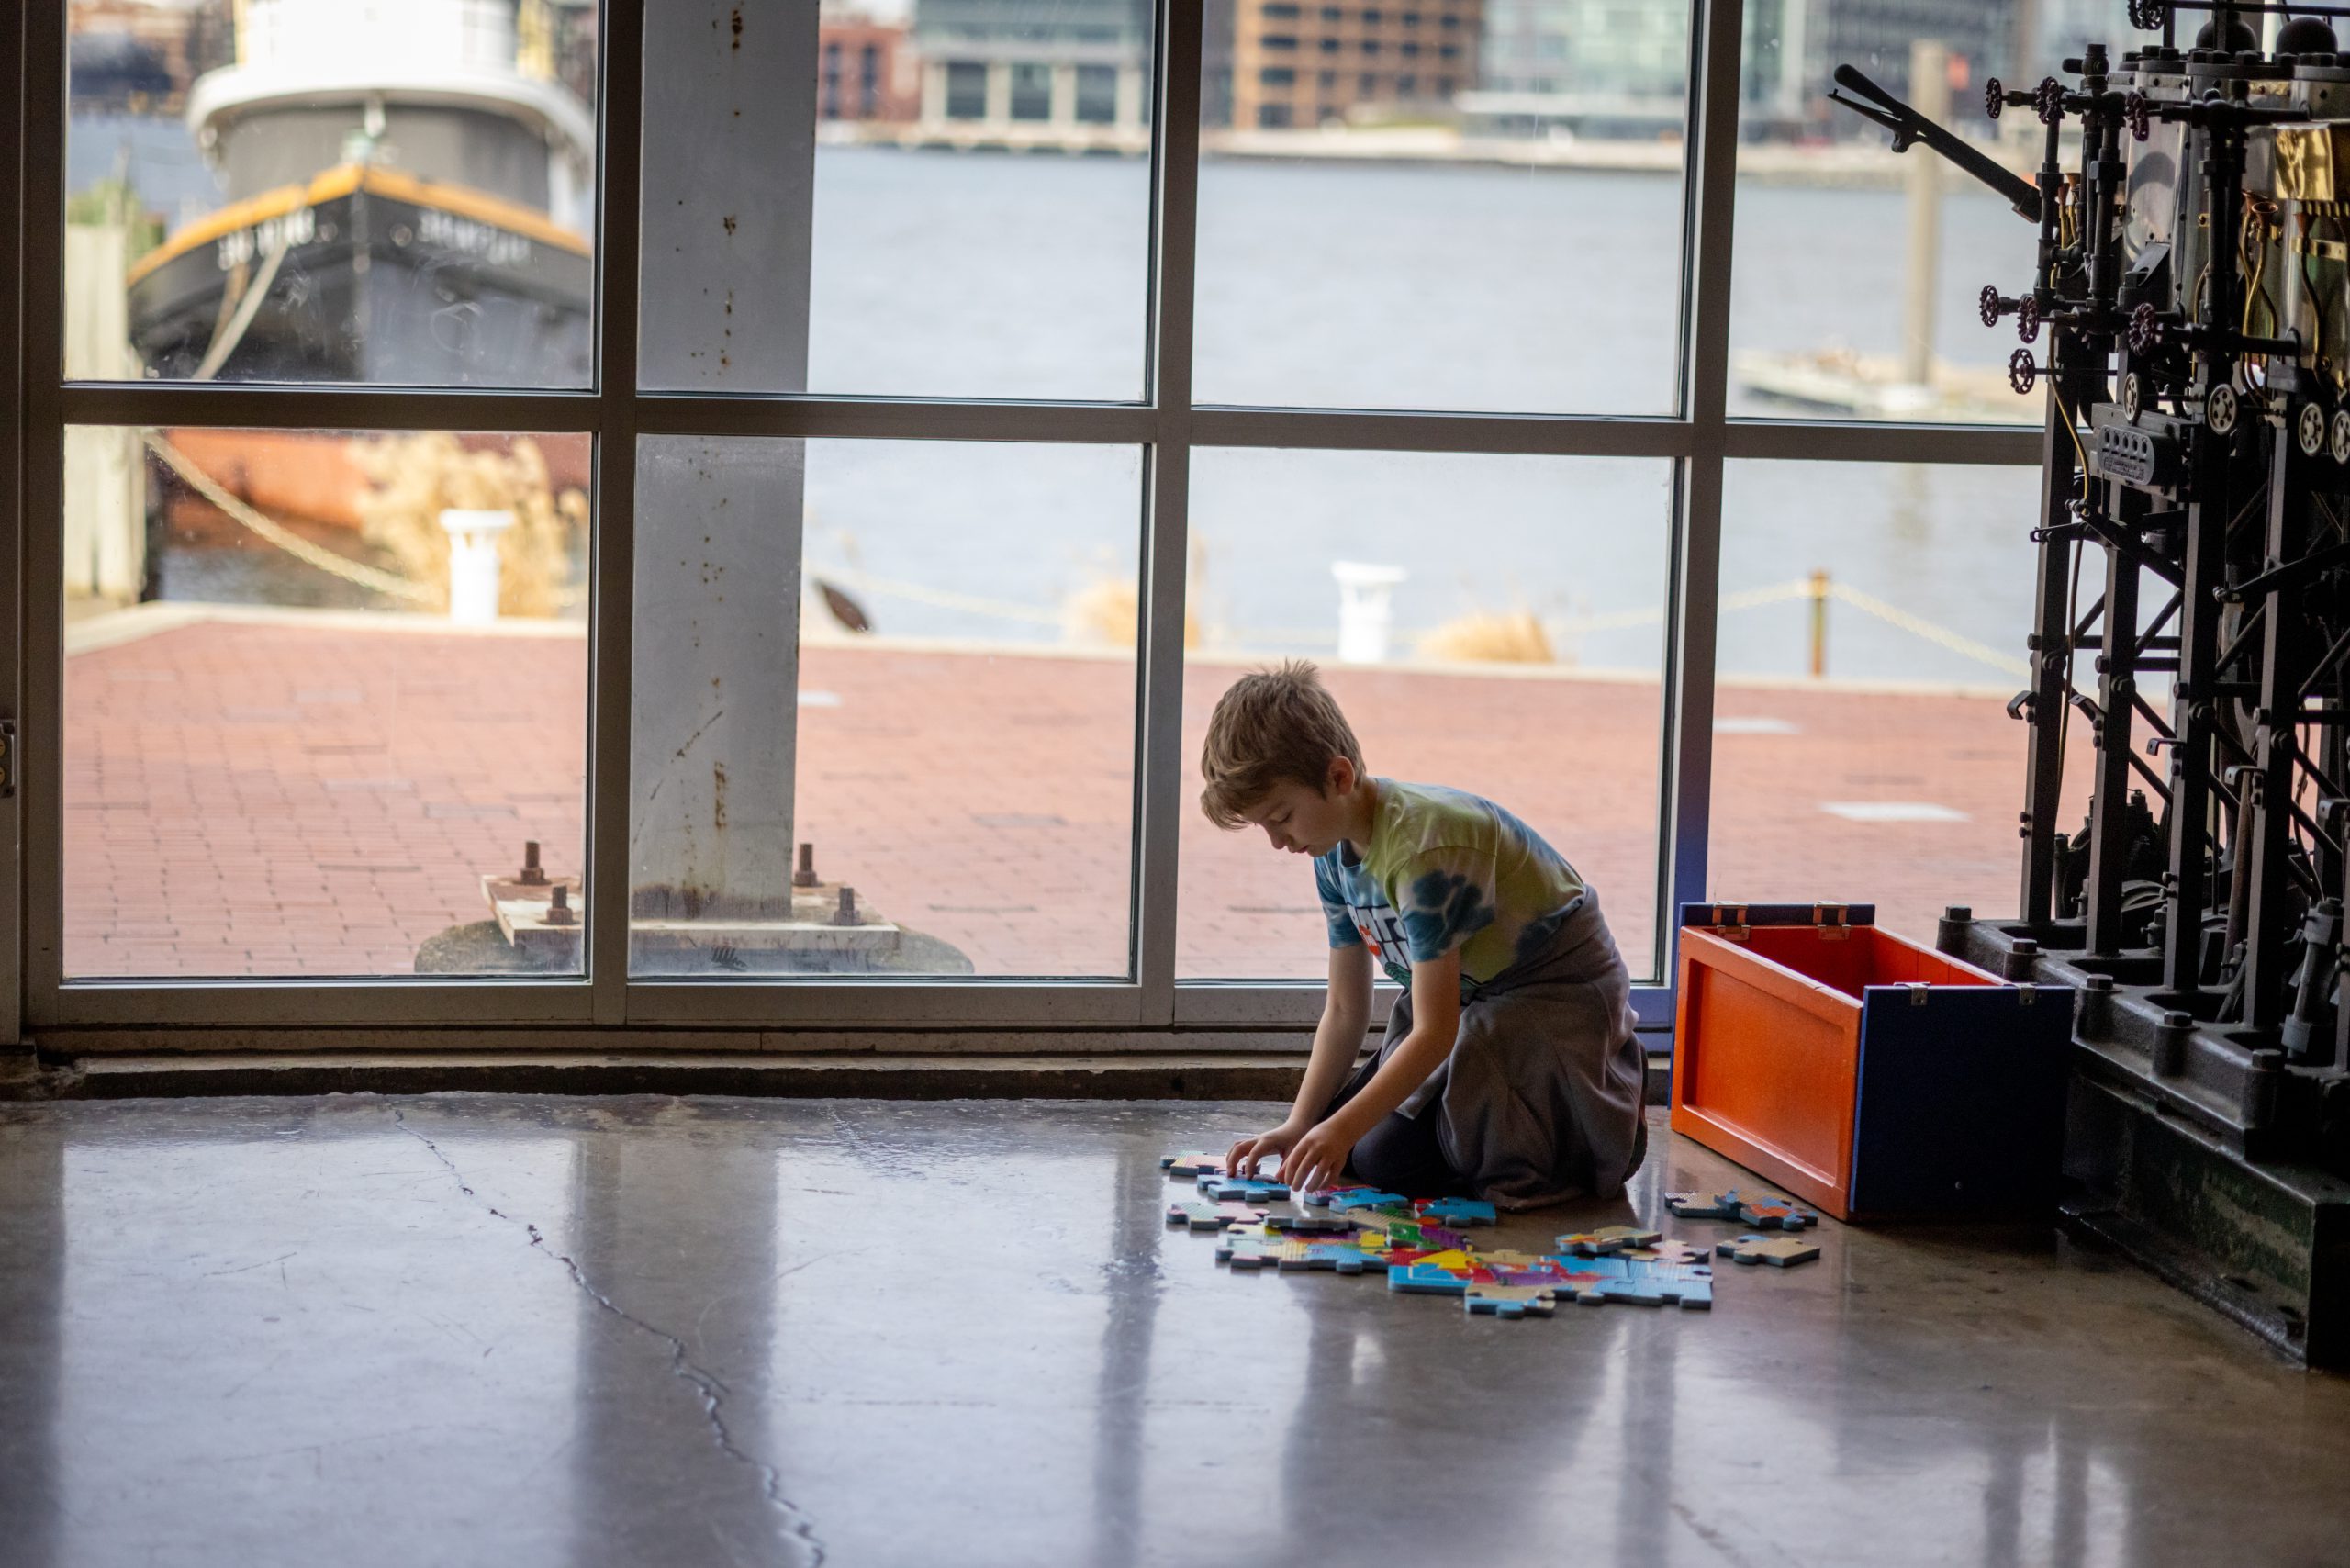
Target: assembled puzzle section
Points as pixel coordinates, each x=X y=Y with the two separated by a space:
x=1862 y=1071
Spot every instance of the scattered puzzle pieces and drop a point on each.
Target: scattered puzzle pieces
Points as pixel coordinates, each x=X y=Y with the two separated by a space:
x=1255 y=1253
x=1458 y=1212
x=1508 y=1301
x=1201 y=1215
x=1241 y=1188
x=1703 y=1205
x=1608 y=1240
x=1776 y=1213
x=1190 y=1165
x=1671 y=1250
x=1345 y=1200
x=1659 y=1284
x=1311 y=1225
x=1778 y=1250
x=1425 y=1278
x=1336 y=1257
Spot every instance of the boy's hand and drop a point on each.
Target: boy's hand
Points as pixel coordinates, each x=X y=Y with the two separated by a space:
x=1319 y=1159
x=1242 y=1161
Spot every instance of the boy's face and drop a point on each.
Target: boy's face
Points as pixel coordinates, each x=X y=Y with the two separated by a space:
x=1306 y=821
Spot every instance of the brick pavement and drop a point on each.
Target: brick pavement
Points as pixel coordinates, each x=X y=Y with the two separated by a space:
x=288 y=798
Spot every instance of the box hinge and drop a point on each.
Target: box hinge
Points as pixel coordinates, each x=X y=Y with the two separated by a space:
x=1833 y=919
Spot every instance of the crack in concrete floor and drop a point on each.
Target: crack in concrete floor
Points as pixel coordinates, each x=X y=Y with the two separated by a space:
x=709 y=1389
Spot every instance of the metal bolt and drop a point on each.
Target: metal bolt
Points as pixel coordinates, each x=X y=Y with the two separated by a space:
x=533 y=875
x=559 y=912
x=806 y=876
x=2020 y=959
x=2258 y=1105
x=2170 y=1043
x=846 y=913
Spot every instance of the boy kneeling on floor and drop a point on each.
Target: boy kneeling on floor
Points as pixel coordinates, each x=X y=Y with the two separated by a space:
x=1509 y=1070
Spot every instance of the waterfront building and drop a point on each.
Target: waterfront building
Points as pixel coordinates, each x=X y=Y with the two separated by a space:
x=1617 y=68
x=1274 y=65
x=865 y=69
x=1034 y=65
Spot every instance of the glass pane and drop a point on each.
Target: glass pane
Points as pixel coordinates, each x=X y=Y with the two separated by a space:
x=820 y=223
x=325 y=695
x=1858 y=274
x=1522 y=663
x=332 y=191
x=956 y=770
x=1871 y=631
x=1450 y=203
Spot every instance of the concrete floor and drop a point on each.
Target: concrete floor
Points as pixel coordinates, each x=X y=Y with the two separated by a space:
x=466 y=1329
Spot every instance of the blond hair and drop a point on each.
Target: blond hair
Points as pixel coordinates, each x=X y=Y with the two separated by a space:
x=1272 y=726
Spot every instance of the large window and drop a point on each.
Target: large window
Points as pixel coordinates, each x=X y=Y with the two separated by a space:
x=664 y=512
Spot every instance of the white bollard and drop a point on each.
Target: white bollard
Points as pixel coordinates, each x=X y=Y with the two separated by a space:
x=1366 y=614
x=472 y=564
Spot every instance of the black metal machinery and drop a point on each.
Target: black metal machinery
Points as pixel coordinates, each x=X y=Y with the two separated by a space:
x=2190 y=301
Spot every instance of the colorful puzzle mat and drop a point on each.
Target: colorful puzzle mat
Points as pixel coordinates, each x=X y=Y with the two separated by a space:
x=1362 y=1230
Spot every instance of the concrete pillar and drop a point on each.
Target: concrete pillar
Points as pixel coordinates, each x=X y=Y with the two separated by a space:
x=934 y=92
x=999 y=109
x=712 y=753
x=1930 y=94
x=105 y=488
x=1064 y=113
x=1130 y=116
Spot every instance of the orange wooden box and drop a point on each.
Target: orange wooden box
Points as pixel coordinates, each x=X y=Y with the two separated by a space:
x=1769 y=1046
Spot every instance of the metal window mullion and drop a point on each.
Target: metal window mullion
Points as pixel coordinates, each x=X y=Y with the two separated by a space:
x=40 y=773
x=1553 y=435
x=1710 y=214
x=307 y=408
x=12 y=514
x=611 y=683
x=801 y=417
x=1844 y=441
x=1158 y=763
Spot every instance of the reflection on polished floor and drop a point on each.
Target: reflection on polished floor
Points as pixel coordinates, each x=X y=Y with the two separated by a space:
x=473 y=1329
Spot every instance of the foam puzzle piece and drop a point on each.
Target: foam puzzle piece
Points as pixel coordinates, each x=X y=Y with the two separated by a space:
x=1201 y=1215
x=1703 y=1205
x=1425 y=1278
x=1776 y=1213
x=1311 y=1225
x=1334 y=1257
x=1659 y=1284
x=1241 y=1188
x=1460 y=1213
x=1608 y=1240
x=1781 y=1251
x=1190 y=1164
x=1451 y=1258
x=1254 y=1252
x=1671 y=1250
x=1347 y=1200
x=1507 y=1300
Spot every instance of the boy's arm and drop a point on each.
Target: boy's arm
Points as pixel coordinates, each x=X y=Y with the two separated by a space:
x=1346 y=1018
x=1317 y=1159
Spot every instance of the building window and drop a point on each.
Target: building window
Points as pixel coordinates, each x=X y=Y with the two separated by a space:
x=1410 y=18
x=1451 y=22
x=1370 y=82
x=1032 y=90
x=967 y=89
x=1097 y=95
x=1281 y=13
x=1406 y=86
x=1372 y=18
x=1327 y=81
x=1272 y=116
x=869 y=81
x=1330 y=46
x=1276 y=76
x=1444 y=87
x=1410 y=49
x=1370 y=46
x=1279 y=43
x=1450 y=51
x=1333 y=14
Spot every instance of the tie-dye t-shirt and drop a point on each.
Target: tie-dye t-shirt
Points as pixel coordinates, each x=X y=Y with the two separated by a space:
x=1446 y=870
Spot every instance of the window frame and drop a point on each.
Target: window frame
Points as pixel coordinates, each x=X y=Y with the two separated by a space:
x=1149 y=1009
